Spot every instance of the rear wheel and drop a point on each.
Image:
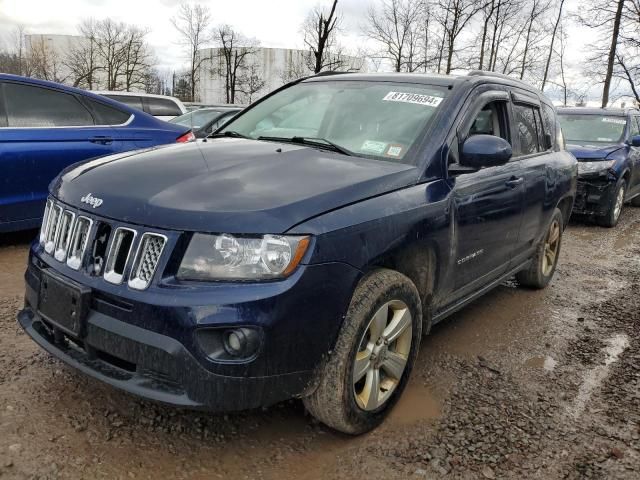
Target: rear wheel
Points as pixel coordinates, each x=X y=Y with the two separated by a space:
x=544 y=263
x=373 y=357
x=615 y=205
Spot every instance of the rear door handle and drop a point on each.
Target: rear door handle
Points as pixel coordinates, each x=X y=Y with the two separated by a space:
x=102 y=140
x=513 y=182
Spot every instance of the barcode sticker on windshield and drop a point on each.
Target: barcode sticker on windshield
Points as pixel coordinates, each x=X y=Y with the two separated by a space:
x=417 y=98
x=619 y=121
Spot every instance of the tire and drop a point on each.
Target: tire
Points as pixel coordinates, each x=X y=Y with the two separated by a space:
x=542 y=268
x=339 y=401
x=612 y=216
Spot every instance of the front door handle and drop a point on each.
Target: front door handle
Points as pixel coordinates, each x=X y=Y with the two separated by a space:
x=102 y=140
x=513 y=182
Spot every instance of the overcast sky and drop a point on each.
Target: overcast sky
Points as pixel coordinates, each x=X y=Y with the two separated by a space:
x=274 y=23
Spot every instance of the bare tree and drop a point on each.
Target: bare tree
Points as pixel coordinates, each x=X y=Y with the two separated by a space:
x=42 y=61
x=454 y=17
x=137 y=58
x=319 y=31
x=192 y=23
x=296 y=67
x=553 y=37
x=82 y=58
x=235 y=51
x=396 y=28
x=250 y=82
x=605 y=17
x=538 y=9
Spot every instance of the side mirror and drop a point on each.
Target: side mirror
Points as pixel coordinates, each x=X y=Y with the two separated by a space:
x=485 y=151
x=635 y=141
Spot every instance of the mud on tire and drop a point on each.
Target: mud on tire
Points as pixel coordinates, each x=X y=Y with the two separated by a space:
x=537 y=276
x=334 y=401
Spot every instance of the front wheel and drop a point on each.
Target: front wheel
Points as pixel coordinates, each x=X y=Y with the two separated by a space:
x=543 y=264
x=612 y=216
x=373 y=357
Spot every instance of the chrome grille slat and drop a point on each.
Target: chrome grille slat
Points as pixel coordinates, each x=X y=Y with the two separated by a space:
x=45 y=221
x=52 y=229
x=123 y=237
x=146 y=260
x=64 y=235
x=79 y=242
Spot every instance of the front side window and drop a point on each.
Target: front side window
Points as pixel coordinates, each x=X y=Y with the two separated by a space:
x=526 y=128
x=372 y=119
x=31 y=106
x=592 y=129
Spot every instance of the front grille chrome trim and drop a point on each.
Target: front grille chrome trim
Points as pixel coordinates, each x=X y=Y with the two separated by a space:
x=79 y=241
x=146 y=260
x=110 y=275
x=52 y=229
x=45 y=221
x=64 y=236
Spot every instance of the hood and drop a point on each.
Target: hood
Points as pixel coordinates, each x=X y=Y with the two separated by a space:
x=226 y=185
x=592 y=152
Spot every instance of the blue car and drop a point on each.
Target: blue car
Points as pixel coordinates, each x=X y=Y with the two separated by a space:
x=606 y=143
x=304 y=249
x=45 y=127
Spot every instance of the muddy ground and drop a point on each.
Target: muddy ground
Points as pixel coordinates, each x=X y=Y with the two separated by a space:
x=521 y=384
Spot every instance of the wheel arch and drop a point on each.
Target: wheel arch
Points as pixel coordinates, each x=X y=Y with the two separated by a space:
x=565 y=205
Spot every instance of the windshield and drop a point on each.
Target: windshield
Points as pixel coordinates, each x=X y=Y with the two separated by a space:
x=583 y=129
x=196 y=118
x=371 y=119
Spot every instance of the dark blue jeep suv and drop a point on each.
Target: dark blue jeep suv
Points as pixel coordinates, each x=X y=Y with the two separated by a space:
x=606 y=143
x=305 y=248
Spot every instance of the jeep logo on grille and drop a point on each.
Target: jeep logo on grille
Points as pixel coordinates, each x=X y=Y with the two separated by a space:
x=89 y=199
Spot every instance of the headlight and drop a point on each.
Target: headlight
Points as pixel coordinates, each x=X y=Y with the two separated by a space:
x=227 y=257
x=594 y=167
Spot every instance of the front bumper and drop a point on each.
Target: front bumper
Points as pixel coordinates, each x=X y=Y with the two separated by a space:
x=594 y=194
x=150 y=350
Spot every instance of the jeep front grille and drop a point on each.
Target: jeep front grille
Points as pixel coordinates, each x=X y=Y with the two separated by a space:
x=147 y=259
x=100 y=248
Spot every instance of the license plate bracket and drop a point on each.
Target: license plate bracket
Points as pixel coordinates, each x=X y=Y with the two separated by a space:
x=64 y=303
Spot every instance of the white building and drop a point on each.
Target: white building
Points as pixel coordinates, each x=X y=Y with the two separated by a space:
x=273 y=66
x=50 y=52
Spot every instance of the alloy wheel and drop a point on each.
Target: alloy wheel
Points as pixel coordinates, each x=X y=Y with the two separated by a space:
x=551 y=247
x=617 y=209
x=382 y=355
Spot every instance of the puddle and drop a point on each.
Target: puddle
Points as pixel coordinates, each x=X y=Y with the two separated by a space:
x=416 y=403
x=546 y=362
x=594 y=377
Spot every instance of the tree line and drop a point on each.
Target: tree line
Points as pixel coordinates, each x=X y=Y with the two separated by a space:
x=525 y=39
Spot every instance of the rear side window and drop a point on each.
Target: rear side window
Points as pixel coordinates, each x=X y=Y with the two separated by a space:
x=130 y=100
x=30 y=106
x=106 y=115
x=162 y=107
x=526 y=128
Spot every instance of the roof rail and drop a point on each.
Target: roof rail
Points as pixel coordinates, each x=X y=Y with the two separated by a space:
x=484 y=73
x=326 y=73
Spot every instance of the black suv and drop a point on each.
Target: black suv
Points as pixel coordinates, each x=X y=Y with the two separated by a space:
x=306 y=248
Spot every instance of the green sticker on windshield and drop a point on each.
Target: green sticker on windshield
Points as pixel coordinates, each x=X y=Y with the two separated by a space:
x=371 y=146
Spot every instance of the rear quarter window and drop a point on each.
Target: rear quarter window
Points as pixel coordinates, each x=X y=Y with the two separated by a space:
x=526 y=128
x=162 y=107
x=32 y=106
x=107 y=115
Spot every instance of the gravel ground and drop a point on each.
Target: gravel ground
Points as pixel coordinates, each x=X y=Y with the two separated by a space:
x=521 y=384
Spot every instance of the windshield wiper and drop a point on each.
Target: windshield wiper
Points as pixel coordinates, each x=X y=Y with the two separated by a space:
x=312 y=141
x=229 y=133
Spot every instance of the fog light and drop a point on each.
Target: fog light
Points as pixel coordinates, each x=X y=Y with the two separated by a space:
x=229 y=344
x=240 y=342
